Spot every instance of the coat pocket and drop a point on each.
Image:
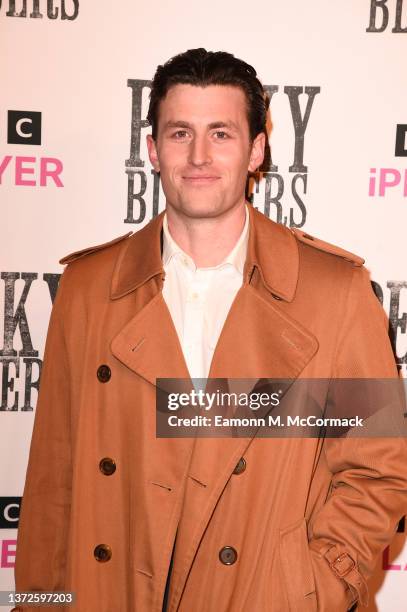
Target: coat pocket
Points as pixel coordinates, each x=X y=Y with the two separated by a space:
x=296 y=567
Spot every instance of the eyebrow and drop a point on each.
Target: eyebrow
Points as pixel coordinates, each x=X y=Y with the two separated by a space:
x=212 y=126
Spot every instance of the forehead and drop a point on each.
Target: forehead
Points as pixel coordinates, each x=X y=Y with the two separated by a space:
x=208 y=104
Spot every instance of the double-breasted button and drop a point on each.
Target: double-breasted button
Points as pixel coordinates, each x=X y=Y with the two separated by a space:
x=240 y=466
x=228 y=555
x=102 y=553
x=104 y=373
x=107 y=466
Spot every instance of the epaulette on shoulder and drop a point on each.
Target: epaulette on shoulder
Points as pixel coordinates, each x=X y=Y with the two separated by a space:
x=82 y=252
x=327 y=247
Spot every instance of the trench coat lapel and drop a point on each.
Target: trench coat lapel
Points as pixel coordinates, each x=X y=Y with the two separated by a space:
x=259 y=339
x=148 y=344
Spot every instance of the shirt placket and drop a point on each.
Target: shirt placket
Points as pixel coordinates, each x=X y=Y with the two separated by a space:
x=194 y=343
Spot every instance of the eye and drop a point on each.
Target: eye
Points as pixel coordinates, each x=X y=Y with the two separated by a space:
x=221 y=135
x=180 y=134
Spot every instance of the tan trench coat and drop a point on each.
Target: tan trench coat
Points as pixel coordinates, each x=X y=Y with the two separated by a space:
x=307 y=518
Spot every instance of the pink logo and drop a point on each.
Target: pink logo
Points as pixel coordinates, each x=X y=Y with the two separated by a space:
x=388 y=566
x=8 y=553
x=32 y=171
x=388 y=178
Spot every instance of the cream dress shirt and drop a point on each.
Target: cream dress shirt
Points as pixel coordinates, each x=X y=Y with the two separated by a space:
x=199 y=299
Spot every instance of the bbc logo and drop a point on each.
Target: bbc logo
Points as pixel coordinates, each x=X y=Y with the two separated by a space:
x=401 y=140
x=9 y=512
x=24 y=127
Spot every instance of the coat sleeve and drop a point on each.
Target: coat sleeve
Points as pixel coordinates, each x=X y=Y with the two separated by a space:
x=368 y=493
x=45 y=509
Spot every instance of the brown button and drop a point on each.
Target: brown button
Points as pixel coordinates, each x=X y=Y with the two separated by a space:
x=240 y=466
x=102 y=553
x=228 y=555
x=107 y=466
x=104 y=373
x=276 y=297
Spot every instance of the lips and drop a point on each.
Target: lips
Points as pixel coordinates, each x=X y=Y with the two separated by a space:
x=200 y=179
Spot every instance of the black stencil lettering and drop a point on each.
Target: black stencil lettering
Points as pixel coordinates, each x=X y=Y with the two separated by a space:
x=301 y=206
x=35 y=13
x=300 y=123
x=51 y=13
x=12 y=9
x=268 y=165
x=276 y=199
x=131 y=196
x=396 y=322
x=52 y=281
x=137 y=123
x=398 y=29
x=12 y=318
x=374 y=5
x=156 y=192
x=70 y=16
x=29 y=382
x=7 y=383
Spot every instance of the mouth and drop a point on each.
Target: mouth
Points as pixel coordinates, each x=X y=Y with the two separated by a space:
x=200 y=179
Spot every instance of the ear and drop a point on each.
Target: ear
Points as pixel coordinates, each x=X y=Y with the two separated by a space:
x=257 y=152
x=152 y=153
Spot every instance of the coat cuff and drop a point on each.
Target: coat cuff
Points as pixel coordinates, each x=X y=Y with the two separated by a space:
x=343 y=566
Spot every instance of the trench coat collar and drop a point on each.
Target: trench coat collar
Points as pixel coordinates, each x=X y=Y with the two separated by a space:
x=271 y=248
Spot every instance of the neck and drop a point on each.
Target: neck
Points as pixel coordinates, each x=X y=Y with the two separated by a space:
x=208 y=240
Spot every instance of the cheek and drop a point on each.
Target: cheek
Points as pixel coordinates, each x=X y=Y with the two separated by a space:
x=234 y=163
x=170 y=172
x=232 y=155
x=171 y=156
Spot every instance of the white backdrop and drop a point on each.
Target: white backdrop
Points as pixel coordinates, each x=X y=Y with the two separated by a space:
x=78 y=178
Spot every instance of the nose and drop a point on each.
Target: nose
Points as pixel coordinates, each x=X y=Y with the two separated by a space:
x=199 y=151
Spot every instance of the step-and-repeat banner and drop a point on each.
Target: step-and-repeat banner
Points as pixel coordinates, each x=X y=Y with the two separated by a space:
x=74 y=171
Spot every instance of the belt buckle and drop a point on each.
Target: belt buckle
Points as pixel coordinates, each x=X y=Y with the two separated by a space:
x=346 y=569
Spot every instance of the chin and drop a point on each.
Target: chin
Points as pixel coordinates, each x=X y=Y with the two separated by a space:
x=201 y=209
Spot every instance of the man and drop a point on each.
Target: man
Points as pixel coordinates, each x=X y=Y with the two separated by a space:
x=132 y=522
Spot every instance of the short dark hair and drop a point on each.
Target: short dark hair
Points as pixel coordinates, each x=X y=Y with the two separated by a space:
x=201 y=68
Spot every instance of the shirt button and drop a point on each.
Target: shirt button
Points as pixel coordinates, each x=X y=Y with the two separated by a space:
x=228 y=555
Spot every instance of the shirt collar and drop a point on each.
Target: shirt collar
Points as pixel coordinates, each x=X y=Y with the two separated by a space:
x=236 y=257
x=272 y=250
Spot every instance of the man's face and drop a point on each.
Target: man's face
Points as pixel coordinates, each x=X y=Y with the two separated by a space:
x=203 y=149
